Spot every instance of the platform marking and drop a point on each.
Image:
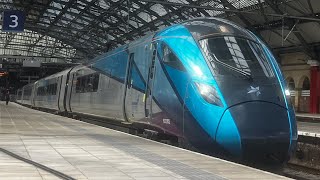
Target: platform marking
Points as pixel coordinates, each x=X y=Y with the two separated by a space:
x=304 y=133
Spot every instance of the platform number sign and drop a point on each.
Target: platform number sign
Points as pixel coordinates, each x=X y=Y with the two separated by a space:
x=13 y=21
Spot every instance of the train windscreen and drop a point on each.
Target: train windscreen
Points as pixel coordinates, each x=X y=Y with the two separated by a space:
x=236 y=56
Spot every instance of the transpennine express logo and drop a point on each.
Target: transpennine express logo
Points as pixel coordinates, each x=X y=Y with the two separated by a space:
x=255 y=90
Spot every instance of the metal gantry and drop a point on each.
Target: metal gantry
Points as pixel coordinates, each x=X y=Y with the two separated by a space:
x=82 y=29
x=32 y=45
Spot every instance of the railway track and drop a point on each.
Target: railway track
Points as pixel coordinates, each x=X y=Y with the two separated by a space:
x=300 y=172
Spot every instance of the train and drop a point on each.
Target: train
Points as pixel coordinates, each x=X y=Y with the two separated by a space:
x=207 y=81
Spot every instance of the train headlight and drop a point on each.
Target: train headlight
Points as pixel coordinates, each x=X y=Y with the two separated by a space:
x=209 y=93
x=287 y=92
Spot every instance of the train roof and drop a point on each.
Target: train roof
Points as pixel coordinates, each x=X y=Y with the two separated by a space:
x=56 y=74
x=201 y=28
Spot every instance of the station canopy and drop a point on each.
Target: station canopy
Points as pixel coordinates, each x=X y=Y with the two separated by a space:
x=78 y=30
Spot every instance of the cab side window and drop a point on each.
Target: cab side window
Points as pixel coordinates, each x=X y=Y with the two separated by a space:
x=170 y=59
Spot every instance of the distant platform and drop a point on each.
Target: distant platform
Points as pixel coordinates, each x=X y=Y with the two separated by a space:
x=84 y=151
x=309 y=129
x=308 y=124
x=308 y=117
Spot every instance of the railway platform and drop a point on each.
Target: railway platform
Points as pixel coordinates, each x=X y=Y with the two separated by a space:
x=308 y=117
x=39 y=145
x=309 y=129
x=308 y=124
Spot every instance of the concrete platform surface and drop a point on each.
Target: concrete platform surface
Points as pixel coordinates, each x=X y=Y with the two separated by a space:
x=85 y=151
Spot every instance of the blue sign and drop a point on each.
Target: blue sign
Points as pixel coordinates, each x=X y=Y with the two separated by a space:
x=13 y=21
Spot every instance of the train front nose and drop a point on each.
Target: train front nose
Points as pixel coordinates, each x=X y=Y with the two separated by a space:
x=263 y=131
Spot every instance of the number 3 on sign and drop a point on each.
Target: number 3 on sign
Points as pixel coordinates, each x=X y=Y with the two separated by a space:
x=14 y=20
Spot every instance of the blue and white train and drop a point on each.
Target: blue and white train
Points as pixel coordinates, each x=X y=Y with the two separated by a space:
x=207 y=81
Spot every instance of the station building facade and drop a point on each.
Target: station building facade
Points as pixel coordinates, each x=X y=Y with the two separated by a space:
x=303 y=80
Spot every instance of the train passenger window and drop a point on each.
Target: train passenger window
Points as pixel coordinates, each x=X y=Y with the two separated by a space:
x=41 y=91
x=87 y=83
x=81 y=84
x=27 y=93
x=95 y=82
x=78 y=85
x=50 y=89
x=54 y=89
x=171 y=59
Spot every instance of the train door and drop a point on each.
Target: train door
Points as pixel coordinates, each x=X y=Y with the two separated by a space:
x=22 y=96
x=33 y=95
x=61 y=84
x=68 y=91
x=149 y=85
x=68 y=94
x=128 y=113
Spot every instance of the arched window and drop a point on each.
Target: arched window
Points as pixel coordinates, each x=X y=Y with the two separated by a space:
x=291 y=84
x=306 y=84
